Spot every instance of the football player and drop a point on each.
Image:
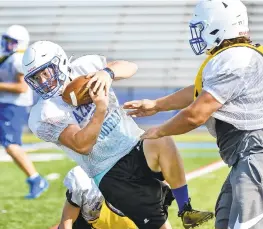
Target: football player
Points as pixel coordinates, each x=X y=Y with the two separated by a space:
x=103 y=140
x=85 y=207
x=15 y=98
x=227 y=97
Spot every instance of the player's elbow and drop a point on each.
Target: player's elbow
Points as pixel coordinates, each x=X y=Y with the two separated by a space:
x=83 y=149
x=133 y=68
x=194 y=118
x=126 y=69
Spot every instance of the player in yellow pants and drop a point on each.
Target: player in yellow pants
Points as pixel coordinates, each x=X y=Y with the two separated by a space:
x=111 y=219
x=85 y=207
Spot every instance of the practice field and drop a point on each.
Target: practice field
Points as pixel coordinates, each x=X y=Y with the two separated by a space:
x=197 y=149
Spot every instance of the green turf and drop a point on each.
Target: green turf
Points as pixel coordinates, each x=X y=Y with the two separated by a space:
x=204 y=192
x=189 y=137
x=206 y=150
x=195 y=137
x=31 y=214
x=30 y=138
x=49 y=150
x=45 y=211
x=191 y=165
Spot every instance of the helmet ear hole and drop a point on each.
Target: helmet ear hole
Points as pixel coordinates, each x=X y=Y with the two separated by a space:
x=225 y=5
x=214 y=32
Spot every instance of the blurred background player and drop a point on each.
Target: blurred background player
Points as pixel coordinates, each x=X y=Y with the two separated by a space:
x=15 y=98
x=85 y=207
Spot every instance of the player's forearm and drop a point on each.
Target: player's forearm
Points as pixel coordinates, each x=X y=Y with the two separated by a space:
x=87 y=137
x=13 y=87
x=65 y=225
x=185 y=121
x=177 y=100
x=123 y=69
x=69 y=216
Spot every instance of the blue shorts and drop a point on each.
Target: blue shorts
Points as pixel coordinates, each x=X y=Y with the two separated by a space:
x=12 y=120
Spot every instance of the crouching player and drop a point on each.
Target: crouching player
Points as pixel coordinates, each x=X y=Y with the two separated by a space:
x=86 y=208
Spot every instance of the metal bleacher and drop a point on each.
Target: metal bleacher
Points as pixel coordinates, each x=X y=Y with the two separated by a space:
x=154 y=34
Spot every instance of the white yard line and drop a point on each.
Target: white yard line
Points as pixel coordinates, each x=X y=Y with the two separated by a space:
x=52 y=176
x=205 y=170
x=4 y=157
x=35 y=157
x=35 y=146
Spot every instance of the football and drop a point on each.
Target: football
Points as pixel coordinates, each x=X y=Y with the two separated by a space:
x=76 y=93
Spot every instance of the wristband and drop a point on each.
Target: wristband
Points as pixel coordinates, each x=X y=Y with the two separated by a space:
x=110 y=72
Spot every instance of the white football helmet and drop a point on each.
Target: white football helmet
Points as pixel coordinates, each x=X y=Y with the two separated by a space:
x=46 y=55
x=16 y=38
x=216 y=20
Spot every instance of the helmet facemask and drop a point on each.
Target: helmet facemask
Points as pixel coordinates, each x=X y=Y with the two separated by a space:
x=8 y=44
x=47 y=79
x=198 y=44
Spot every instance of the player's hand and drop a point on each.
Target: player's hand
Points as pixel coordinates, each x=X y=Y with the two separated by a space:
x=141 y=108
x=152 y=133
x=102 y=79
x=100 y=99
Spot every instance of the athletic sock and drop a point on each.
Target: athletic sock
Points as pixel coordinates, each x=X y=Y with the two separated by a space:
x=181 y=196
x=32 y=177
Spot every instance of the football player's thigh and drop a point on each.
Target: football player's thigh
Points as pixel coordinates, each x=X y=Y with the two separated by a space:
x=159 y=152
x=246 y=181
x=223 y=205
x=139 y=199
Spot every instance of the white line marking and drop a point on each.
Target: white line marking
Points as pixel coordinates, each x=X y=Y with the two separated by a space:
x=35 y=157
x=205 y=170
x=53 y=176
x=35 y=146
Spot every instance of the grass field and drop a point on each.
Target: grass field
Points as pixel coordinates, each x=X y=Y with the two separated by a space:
x=18 y=213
